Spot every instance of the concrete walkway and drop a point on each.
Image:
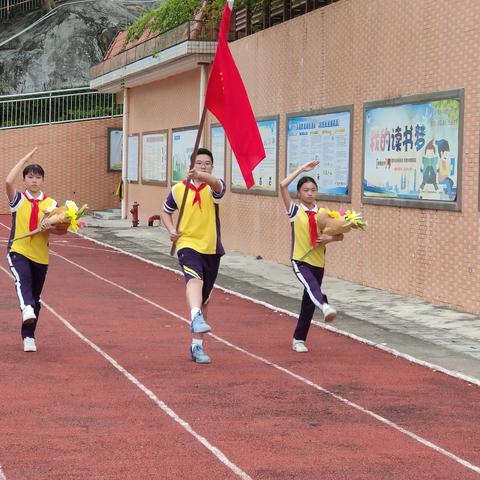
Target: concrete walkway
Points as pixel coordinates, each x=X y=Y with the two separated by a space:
x=445 y=338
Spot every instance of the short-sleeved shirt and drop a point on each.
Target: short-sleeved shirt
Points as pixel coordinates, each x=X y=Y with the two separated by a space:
x=200 y=223
x=301 y=242
x=35 y=247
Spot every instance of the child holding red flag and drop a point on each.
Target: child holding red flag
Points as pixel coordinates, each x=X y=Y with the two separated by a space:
x=28 y=257
x=198 y=242
x=308 y=251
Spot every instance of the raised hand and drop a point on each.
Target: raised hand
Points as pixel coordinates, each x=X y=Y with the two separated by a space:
x=30 y=154
x=310 y=165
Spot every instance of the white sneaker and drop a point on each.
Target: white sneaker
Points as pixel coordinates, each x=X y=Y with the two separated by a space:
x=28 y=315
x=299 y=346
x=329 y=313
x=29 y=344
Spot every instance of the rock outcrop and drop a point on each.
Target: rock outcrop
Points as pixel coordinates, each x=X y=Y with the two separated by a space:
x=58 y=52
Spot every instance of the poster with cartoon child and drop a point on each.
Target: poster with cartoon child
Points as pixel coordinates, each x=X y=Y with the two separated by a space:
x=411 y=150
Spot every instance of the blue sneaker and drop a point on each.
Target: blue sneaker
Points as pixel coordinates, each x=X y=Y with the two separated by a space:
x=198 y=354
x=199 y=325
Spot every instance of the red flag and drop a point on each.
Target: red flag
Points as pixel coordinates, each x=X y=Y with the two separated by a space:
x=227 y=99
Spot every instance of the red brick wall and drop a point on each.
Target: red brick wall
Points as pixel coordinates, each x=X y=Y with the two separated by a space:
x=74 y=157
x=352 y=52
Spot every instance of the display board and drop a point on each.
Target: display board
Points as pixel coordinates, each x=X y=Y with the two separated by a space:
x=132 y=158
x=324 y=136
x=154 y=157
x=218 y=149
x=412 y=150
x=183 y=143
x=265 y=174
x=115 y=142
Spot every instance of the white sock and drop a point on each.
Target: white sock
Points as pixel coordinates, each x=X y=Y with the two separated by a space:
x=194 y=311
x=197 y=341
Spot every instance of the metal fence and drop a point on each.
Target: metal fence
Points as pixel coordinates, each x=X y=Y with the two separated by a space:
x=13 y=7
x=262 y=14
x=57 y=106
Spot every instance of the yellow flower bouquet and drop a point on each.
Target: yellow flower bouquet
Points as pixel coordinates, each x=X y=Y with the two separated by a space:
x=333 y=222
x=66 y=217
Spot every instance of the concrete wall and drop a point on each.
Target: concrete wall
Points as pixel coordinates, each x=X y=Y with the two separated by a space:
x=74 y=157
x=352 y=52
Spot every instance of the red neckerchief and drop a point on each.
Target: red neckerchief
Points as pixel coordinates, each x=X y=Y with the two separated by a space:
x=312 y=223
x=197 y=192
x=33 y=224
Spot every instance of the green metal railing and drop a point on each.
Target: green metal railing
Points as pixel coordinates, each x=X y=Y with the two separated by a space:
x=57 y=106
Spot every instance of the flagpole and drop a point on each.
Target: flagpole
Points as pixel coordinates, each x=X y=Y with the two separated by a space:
x=192 y=163
x=124 y=153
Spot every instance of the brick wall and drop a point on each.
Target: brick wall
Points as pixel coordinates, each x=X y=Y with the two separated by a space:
x=352 y=52
x=74 y=157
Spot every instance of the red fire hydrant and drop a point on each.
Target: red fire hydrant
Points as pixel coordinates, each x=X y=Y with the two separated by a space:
x=134 y=212
x=152 y=219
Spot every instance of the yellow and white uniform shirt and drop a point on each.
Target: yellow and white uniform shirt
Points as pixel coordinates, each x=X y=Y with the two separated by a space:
x=200 y=223
x=301 y=241
x=35 y=248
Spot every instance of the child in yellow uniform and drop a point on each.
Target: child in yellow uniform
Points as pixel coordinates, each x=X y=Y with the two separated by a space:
x=28 y=257
x=198 y=242
x=308 y=251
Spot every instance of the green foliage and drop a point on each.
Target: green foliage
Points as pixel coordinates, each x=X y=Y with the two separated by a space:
x=172 y=13
x=214 y=9
x=169 y=14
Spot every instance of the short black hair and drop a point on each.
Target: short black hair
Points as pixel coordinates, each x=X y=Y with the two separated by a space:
x=34 y=168
x=205 y=151
x=306 y=180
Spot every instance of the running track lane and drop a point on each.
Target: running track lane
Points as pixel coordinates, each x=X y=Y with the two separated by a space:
x=265 y=421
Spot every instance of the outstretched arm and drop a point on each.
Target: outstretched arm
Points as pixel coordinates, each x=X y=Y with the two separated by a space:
x=212 y=181
x=14 y=172
x=288 y=180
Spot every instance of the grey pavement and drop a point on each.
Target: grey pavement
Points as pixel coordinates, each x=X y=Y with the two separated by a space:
x=445 y=338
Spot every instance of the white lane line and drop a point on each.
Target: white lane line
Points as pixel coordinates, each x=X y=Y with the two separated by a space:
x=354 y=405
x=392 y=351
x=381 y=419
x=163 y=406
x=2 y=475
x=304 y=380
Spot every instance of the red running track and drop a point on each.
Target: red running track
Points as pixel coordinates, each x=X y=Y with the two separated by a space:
x=112 y=393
